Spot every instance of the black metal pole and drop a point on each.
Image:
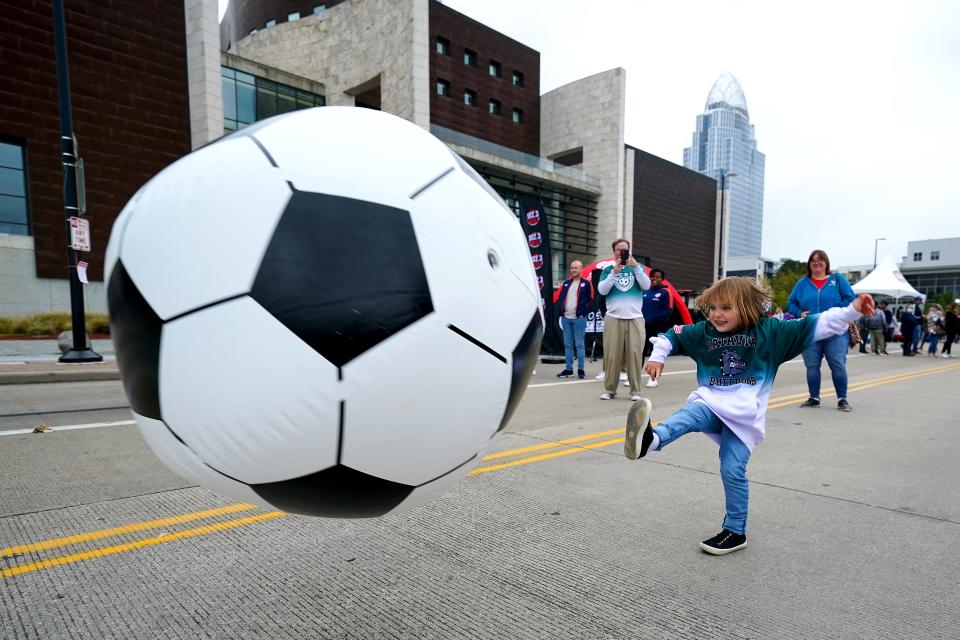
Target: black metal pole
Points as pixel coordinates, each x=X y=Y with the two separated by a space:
x=68 y=157
x=722 y=197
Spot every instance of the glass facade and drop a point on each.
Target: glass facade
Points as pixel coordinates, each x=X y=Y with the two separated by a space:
x=248 y=98
x=13 y=190
x=724 y=143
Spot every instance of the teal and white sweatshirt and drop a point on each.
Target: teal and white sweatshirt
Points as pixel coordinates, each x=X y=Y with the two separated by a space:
x=736 y=369
x=624 y=291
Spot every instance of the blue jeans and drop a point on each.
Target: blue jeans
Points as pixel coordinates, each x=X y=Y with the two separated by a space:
x=573 y=333
x=734 y=455
x=917 y=332
x=933 y=339
x=835 y=350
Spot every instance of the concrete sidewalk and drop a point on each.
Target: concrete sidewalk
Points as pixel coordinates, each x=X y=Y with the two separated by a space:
x=35 y=361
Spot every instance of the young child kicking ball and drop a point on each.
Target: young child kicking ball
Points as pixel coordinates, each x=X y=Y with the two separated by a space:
x=738 y=351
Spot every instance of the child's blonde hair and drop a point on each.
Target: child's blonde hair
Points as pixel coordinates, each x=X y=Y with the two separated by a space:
x=743 y=294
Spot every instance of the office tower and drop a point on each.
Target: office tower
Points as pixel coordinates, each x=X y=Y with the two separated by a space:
x=725 y=149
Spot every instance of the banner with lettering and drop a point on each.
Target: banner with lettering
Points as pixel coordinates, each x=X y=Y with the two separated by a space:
x=533 y=219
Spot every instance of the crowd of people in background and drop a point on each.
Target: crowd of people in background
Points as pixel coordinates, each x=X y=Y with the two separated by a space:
x=916 y=329
x=639 y=306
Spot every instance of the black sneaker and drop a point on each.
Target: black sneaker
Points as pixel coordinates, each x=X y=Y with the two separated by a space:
x=566 y=373
x=810 y=402
x=638 y=418
x=843 y=405
x=724 y=542
x=581 y=374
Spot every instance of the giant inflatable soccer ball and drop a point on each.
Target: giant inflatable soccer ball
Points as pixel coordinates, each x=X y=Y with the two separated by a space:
x=328 y=313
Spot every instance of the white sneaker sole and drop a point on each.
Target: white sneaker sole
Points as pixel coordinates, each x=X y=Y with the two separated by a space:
x=721 y=552
x=637 y=419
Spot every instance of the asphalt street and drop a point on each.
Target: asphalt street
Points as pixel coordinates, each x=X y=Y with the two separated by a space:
x=854 y=527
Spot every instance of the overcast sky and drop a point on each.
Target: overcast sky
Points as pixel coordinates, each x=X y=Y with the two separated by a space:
x=856 y=104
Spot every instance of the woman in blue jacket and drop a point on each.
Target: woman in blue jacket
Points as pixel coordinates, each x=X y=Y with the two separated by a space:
x=818 y=291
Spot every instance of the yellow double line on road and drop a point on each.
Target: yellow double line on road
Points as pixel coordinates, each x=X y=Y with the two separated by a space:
x=551 y=450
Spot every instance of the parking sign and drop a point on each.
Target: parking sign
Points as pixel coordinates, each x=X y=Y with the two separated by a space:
x=80 y=234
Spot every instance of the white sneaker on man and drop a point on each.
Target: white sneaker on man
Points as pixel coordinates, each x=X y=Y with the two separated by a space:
x=600 y=376
x=623 y=376
x=651 y=383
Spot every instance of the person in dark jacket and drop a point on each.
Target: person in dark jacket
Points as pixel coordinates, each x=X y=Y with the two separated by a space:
x=573 y=307
x=818 y=291
x=951 y=322
x=657 y=311
x=908 y=322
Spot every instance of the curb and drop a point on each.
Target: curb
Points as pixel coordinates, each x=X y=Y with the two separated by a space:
x=37 y=377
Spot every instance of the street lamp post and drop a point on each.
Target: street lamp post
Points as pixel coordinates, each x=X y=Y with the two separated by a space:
x=875 y=252
x=724 y=222
x=68 y=156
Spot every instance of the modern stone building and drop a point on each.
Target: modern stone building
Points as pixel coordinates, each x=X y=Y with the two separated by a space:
x=148 y=91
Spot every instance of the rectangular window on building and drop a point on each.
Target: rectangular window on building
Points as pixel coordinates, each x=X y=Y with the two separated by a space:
x=319 y=8
x=443 y=87
x=13 y=190
x=518 y=116
x=247 y=98
x=469 y=58
x=443 y=46
x=517 y=79
x=271 y=23
x=934 y=255
x=286 y=99
x=918 y=256
x=494 y=68
x=252 y=31
x=494 y=107
x=293 y=16
x=469 y=97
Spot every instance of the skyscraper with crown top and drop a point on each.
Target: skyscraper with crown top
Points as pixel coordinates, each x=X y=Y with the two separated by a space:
x=724 y=144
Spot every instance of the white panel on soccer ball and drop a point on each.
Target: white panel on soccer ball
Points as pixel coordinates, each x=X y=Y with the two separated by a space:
x=488 y=301
x=421 y=403
x=379 y=157
x=201 y=226
x=186 y=464
x=116 y=236
x=247 y=395
x=427 y=492
x=480 y=211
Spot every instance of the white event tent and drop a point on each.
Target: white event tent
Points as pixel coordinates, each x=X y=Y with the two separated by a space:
x=887 y=280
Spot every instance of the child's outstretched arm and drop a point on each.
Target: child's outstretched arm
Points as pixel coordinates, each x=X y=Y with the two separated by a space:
x=835 y=320
x=661 y=349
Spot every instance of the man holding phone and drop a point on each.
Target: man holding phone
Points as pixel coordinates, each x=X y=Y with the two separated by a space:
x=623 y=284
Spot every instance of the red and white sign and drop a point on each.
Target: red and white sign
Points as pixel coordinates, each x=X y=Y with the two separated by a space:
x=534 y=239
x=79 y=234
x=533 y=217
x=537 y=261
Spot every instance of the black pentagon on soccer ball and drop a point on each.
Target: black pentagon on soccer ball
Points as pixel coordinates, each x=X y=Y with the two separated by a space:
x=337 y=492
x=135 y=330
x=342 y=274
